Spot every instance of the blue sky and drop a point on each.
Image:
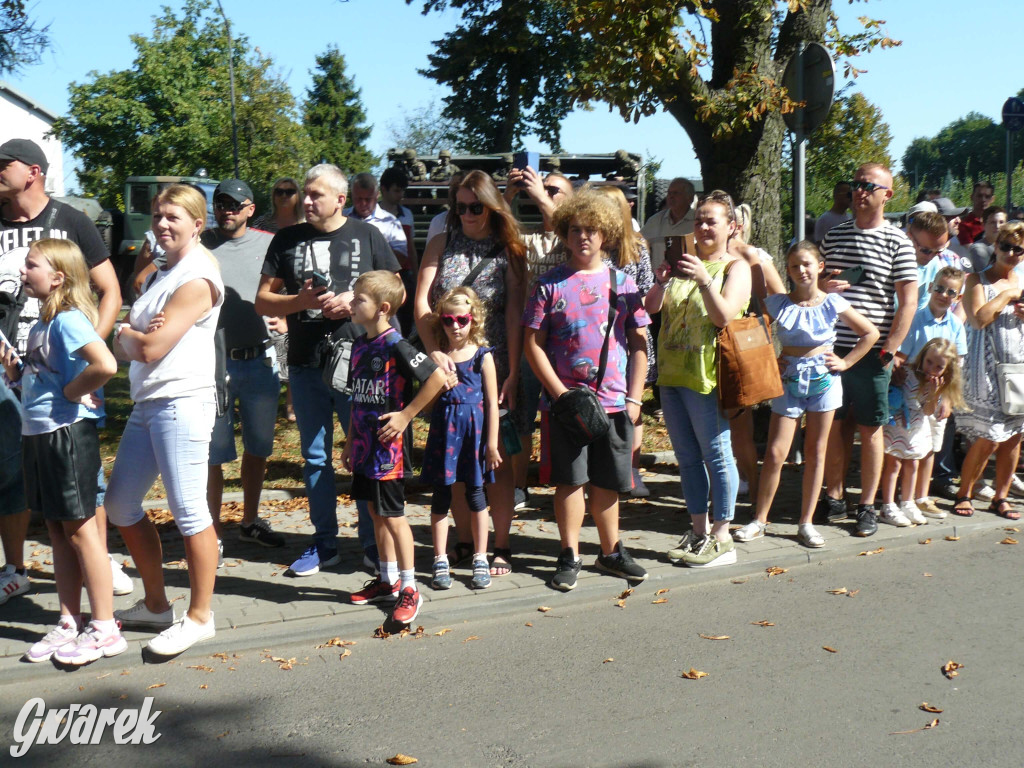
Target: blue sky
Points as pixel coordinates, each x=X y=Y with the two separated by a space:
x=956 y=57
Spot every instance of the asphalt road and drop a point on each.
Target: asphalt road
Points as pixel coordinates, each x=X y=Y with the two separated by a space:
x=590 y=683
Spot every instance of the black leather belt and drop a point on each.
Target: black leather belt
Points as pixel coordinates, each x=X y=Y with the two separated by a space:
x=245 y=353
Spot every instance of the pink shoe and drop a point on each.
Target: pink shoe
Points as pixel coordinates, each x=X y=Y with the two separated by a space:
x=90 y=645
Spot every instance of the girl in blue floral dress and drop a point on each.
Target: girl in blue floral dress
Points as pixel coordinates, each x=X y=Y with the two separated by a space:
x=462 y=446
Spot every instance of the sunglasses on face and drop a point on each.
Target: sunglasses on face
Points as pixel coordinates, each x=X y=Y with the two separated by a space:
x=552 y=190
x=867 y=186
x=1016 y=250
x=475 y=208
x=949 y=293
x=229 y=206
x=282 y=192
x=456 y=320
x=927 y=251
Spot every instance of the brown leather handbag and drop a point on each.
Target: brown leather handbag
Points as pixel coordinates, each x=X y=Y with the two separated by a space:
x=748 y=371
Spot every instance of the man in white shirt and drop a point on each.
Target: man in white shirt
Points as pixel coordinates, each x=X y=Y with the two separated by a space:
x=837 y=214
x=675 y=220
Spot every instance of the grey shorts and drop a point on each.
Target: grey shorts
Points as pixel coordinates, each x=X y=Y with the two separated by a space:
x=606 y=463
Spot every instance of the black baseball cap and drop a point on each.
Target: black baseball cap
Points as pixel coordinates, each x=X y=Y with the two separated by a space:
x=236 y=189
x=25 y=151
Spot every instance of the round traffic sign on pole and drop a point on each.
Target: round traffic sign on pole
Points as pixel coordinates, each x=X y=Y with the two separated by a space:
x=1013 y=114
x=816 y=88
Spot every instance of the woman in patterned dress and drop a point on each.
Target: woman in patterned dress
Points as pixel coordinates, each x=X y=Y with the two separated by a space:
x=486 y=230
x=995 y=334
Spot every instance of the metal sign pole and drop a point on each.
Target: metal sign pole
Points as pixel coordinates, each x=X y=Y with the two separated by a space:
x=799 y=142
x=1009 y=170
x=1013 y=121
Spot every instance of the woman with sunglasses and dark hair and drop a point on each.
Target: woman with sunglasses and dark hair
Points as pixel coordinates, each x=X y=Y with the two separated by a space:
x=486 y=247
x=995 y=334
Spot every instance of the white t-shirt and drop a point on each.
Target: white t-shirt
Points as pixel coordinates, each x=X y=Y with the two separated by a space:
x=188 y=368
x=660 y=226
x=436 y=226
x=826 y=221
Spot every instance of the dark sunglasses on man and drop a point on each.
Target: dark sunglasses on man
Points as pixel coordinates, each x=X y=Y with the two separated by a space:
x=1010 y=248
x=867 y=186
x=228 y=205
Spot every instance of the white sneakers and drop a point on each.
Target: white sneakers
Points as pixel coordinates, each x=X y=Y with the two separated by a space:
x=893 y=515
x=123 y=584
x=181 y=636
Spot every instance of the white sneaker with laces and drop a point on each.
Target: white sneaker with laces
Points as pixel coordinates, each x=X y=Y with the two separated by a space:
x=752 y=530
x=123 y=584
x=140 y=616
x=915 y=515
x=892 y=515
x=12 y=583
x=181 y=636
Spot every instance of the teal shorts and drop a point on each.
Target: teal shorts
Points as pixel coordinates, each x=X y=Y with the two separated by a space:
x=865 y=390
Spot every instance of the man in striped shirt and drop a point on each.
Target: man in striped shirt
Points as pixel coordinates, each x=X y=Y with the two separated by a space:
x=872 y=263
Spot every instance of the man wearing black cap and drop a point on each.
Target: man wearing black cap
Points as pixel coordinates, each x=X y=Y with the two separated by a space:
x=27 y=214
x=251 y=364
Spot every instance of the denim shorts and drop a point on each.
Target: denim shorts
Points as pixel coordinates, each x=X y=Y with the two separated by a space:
x=169 y=437
x=256 y=387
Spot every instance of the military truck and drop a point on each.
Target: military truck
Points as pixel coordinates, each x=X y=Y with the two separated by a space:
x=427 y=194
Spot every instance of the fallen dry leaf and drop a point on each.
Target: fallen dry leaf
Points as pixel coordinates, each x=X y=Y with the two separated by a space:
x=529 y=623
x=829 y=648
x=925 y=541
x=1011 y=529
x=762 y=623
x=200 y=667
x=926 y=727
x=952 y=538
x=102 y=676
x=381 y=633
x=420 y=632
x=155 y=685
x=927 y=575
x=543 y=609
x=852 y=593
x=739 y=581
x=870 y=552
x=607 y=660
x=203 y=687
x=621 y=603
x=715 y=637
x=442 y=632
x=660 y=592
x=344 y=653
x=626 y=594
x=694 y=674
x=659 y=601
x=1008 y=540
x=337 y=642
x=401 y=759
x=839 y=591
x=929 y=708
x=471 y=637
x=949 y=669
x=775 y=571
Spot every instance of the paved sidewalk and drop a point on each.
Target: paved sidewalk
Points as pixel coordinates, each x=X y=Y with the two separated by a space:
x=256 y=602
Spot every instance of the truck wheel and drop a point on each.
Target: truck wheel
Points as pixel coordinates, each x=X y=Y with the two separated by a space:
x=659 y=191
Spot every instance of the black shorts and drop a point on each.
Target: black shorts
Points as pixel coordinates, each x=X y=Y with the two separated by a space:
x=386 y=496
x=606 y=463
x=60 y=471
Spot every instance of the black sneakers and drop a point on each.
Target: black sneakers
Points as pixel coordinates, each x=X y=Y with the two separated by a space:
x=867 y=520
x=832 y=510
x=566 y=570
x=621 y=563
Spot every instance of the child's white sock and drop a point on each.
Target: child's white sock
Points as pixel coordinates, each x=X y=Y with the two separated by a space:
x=441 y=559
x=478 y=556
x=71 y=621
x=106 y=627
x=389 y=572
x=409 y=579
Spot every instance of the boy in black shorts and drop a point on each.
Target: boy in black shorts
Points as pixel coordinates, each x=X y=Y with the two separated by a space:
x=382 y=363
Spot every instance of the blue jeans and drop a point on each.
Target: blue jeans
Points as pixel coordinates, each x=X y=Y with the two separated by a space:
x=703 y=447
x=257 y=389
x=315 y=405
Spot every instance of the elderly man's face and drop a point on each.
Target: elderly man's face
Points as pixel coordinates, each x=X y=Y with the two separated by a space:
x=679 y=198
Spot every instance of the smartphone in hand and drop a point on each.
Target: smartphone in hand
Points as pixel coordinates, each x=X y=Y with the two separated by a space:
x=853 y=275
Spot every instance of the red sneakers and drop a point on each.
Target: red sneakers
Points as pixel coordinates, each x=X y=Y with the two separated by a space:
x=408 y=606
x=375 y=591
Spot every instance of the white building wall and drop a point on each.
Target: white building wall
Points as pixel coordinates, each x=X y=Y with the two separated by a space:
x=22 y=118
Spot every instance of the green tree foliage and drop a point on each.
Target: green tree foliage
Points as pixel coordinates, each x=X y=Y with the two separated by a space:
x=971 y=147
x=716 y=67
x=170 y=112
x=334 y=117
x=427 y=131
x=22 y=40
x=508 y=65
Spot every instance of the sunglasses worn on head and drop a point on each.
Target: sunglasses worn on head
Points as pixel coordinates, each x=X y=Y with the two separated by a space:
x=867 y=186
x=475 y=208
x=230 y=206
x=950 y=293
x=1006 y=247
x=459 y=320
x=283 y=192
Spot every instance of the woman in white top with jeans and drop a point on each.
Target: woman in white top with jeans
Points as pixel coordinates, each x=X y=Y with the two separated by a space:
x=170 y=341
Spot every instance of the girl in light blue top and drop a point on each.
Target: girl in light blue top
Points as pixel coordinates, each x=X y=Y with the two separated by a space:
x=805 y=325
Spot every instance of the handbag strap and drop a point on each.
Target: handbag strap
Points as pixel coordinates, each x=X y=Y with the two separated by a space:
x=482 y=264
x=613 y=306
